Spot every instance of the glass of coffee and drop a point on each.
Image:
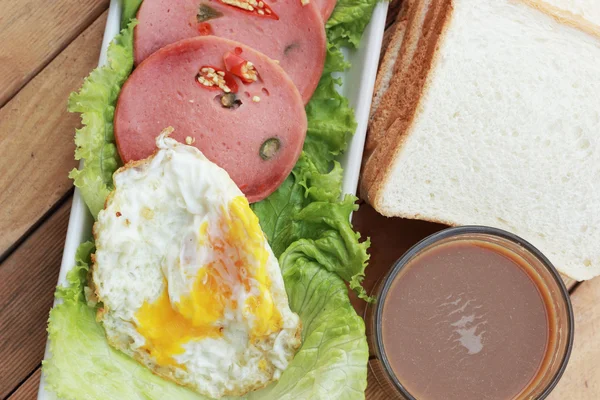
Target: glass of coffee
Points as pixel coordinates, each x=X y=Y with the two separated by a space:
x=470 y=313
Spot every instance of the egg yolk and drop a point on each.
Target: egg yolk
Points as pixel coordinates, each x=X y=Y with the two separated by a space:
x=166 y=330
x=240 y=262
x=246 y=229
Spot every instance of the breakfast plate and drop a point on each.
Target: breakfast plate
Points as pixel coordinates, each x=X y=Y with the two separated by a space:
x=357 y=87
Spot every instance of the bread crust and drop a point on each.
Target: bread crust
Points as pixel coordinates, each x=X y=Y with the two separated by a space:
x=390 y=54
x=412 y=30
x=396 y=59
x=391 y=39
x=402 y=100
x=564 y=17
x=394 y=31
x=387 y=38
x=408 y=9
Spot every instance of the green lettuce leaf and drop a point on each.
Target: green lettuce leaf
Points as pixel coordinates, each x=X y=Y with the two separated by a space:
x=83 y=366
x=348 y=21
x=331 y=362
x=329 y=365
x=335 y=60
x=95 y=141
x=77 y=276
x=325 y=235
x=321 y=229
x=308 y=206
x=330 y=123
x=130 y=8
x=277 y=212
x=319 y=186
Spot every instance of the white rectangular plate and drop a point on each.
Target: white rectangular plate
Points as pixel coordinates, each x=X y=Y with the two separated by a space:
x=358 y=85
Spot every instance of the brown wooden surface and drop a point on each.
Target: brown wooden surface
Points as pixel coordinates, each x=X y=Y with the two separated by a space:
x=29 y=389
x=37 y=137
x=33 y=32
x=48 y=47
x=27 y=281
x=582 y=377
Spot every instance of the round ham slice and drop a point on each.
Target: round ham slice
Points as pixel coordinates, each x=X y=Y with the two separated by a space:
x=285 y=30
x=256 y=134
x=325 y=7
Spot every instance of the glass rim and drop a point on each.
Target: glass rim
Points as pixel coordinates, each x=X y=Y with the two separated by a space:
x=459 y=231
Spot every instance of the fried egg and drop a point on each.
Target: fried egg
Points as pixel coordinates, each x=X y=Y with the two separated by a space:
x=187 y=282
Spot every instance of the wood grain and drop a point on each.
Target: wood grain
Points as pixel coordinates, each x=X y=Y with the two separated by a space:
x=27 y=282
x=374 y=389
x=33 y=32
x=36 y=137
x=581 y=380
x=29 y=389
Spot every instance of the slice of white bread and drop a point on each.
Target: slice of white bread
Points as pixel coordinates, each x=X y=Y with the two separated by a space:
x=498 y=124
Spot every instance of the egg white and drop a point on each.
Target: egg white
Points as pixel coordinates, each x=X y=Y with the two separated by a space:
x=161 y=227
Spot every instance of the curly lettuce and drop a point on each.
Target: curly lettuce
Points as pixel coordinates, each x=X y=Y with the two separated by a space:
x=95 y=141
x=129 y=11
x=307 y=207
x=348 y=21
x=331 y=363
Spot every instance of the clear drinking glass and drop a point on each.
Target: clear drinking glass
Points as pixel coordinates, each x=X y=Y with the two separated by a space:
x=560 y=312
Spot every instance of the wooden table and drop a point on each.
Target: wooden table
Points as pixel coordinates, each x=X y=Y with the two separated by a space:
x=48 y=47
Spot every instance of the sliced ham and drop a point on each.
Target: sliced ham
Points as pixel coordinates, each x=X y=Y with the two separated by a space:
x=325 y=7
x=285 y=30
x=256 y=134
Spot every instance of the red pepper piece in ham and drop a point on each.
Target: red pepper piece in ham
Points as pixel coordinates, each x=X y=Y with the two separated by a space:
x=240 y=67
x=296 y=40
x=256 y=135
x=204 y=29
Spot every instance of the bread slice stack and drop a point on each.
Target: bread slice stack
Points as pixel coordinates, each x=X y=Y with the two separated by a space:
x=493 y=118
x=390 y=53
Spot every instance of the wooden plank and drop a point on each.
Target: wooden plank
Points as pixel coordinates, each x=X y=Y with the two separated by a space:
x=374 y=389
x=29 y=389
x=37 y=137
x=581 y=380
x=27 y=281
x=33 y=32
